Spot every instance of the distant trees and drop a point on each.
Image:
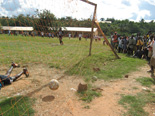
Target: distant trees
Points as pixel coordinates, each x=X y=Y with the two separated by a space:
x=44 y=19
x=127 y=27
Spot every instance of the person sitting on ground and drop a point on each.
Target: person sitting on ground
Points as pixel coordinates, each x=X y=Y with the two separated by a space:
x=6 y=79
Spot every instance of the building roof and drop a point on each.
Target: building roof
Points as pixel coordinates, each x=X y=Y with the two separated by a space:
x=105 y=22
x=76 y=29
x=80 y=29
x=17 y=28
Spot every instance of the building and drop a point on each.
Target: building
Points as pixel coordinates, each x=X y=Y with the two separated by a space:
x=75 y=31
x=16 y=29
x=105 y=22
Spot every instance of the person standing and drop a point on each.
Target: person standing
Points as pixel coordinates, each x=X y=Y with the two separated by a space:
x=130 y=46
x=9 y=32
x=60 y=36
x=139 y=43
x=152 y=61
x=70 y=35
x=49 y=35
x=80 y=36
x=120 y=46
x=115 y=41
x=42 y=34
x=150 y=45
x=124 y=43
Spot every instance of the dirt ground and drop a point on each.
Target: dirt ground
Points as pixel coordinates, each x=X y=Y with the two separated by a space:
x=64 y=101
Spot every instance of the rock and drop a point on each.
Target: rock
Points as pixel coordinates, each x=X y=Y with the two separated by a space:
x=126 y=76
x=82 y=87
x=72 y=89
x=94 y=78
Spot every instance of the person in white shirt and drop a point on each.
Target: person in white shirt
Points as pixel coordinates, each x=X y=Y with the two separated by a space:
x=80 y=36
x=69 y=35
x=152 y=61
x=42 y=34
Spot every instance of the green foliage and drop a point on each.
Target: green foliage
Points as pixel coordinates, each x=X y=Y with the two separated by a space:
x=135 y=104
x=146 y=81
x=16 y=106
x=126 y=27
x=89 y=95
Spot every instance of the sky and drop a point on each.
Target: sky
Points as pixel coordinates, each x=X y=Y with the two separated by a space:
x=134 y=10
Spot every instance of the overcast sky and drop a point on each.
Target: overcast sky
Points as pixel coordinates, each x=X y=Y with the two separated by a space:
x=118 y=9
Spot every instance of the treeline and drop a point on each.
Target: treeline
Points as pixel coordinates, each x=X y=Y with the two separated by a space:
x=41 y=21
x=126 y=27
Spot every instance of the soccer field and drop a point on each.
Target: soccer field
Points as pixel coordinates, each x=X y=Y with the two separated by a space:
x=71 y=57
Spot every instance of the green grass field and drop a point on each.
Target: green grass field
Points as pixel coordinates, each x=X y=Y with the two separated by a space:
x=71 y=57
x=16 y=106
x=134 y=104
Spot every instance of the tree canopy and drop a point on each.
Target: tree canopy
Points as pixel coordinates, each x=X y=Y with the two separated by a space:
x=41 y=21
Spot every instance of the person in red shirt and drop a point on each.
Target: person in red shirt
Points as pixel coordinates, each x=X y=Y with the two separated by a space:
x=115 y=40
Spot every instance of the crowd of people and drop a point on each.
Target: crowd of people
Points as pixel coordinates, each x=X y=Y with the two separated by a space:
x=139 y=46
x=135 y=45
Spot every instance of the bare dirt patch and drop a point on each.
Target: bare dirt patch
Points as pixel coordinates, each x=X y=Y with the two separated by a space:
x=64 y=101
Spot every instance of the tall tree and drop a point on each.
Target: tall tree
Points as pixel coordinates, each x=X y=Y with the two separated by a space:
x=46 y=20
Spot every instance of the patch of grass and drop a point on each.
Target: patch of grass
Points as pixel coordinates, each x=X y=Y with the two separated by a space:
x=87 y=107
x=135 y=104
x=16 y=106
x=110 y=68
x=135 y=88
x=89 y=95
x=146 y=81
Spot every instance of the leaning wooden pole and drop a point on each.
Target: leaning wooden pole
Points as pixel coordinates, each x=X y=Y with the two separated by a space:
x=99 y=28
x=92 y=31
x=105 y=38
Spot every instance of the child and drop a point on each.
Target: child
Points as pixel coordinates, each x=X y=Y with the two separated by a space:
x=6 y=79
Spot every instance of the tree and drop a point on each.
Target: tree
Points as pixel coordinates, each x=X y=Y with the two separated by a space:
x=46 y=20
x=102 y=19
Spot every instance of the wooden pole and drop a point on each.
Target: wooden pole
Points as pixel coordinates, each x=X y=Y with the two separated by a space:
x=91 y=3
x=92 y=31
x=99 y=28
x=93 y=20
